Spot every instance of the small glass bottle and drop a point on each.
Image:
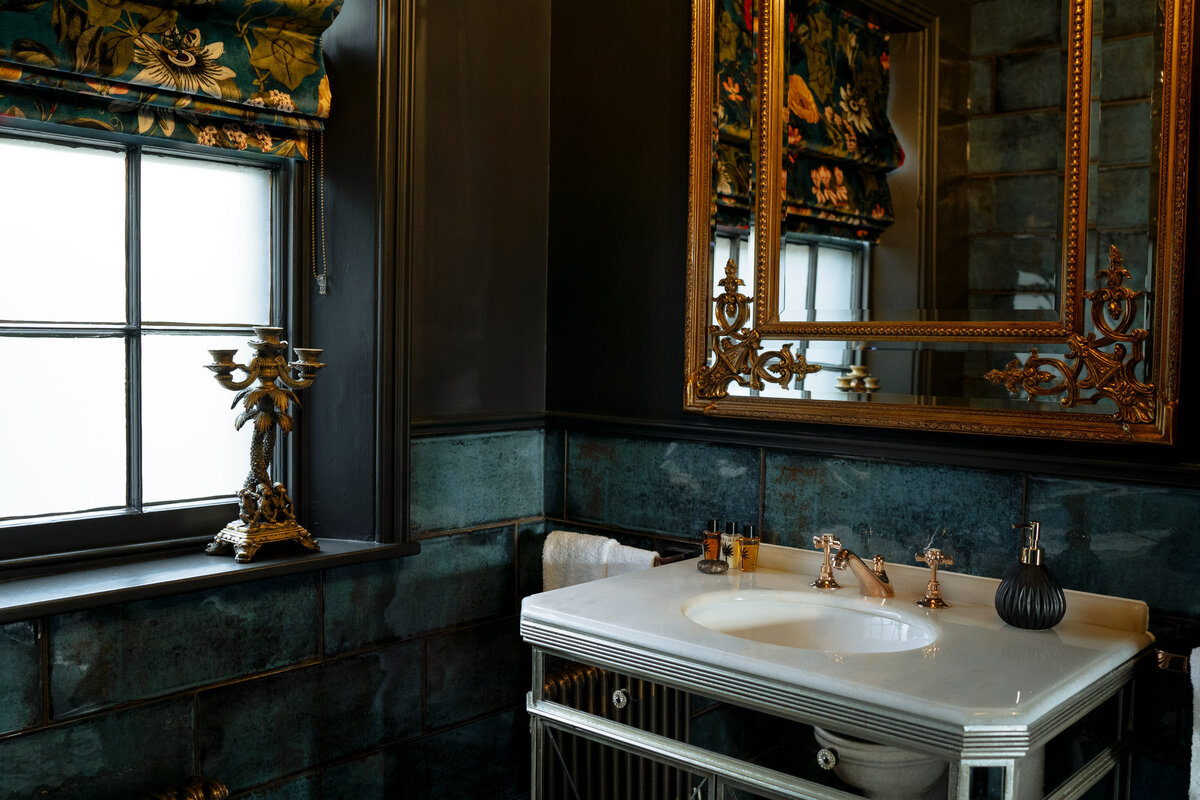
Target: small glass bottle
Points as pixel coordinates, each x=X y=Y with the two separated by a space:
x=712 y=541
x=748 y=549
x=730 y=552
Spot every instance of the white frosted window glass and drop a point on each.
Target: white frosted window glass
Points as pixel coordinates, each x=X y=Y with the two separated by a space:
x=62 y=442
x=793 y=283
x=835 y=282
x=62 y=229
x=189 y=447
x=206 y=242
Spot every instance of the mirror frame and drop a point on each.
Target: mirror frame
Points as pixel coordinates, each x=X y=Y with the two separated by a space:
x=723 y=347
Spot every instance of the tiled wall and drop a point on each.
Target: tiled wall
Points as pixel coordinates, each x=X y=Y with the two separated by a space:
x=1108 y=537
x=359 y=682
x=409 y=676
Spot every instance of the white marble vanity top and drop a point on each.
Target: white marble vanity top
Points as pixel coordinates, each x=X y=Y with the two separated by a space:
x=981 y=687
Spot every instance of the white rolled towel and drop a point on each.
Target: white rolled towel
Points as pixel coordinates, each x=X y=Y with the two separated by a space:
x=1194 y=669
x=570 y=558
x=622 y=559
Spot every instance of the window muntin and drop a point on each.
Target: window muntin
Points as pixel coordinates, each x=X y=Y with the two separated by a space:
x=109 y=407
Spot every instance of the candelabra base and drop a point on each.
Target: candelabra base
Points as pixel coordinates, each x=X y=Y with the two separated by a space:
x=245 y=540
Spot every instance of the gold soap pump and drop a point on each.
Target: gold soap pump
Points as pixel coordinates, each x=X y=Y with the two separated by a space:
x=1029 y=596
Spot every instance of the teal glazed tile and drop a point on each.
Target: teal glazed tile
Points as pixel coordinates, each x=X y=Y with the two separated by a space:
x=21 y=688
x=1127 y=68
x=998 y=26
x=660 y=486
x=488 y=758
x=1016 y=143
x=1030 y=80
x=894 y=510
x=531 y=537
x=475 y=671
x=466 y=481
x=1125 y=133
x=130 y=651
x=455 y=580
x=318 y=714
x=1128 y=540
x=555 y=481
x=126 y=753
x=307 y=787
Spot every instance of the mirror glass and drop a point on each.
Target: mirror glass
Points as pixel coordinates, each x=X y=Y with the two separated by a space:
x=949 y=185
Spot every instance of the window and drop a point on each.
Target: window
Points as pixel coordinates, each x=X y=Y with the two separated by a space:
x=822 y=279
x=121 y=265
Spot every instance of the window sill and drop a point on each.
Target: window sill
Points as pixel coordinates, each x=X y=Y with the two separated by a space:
x=24 y=598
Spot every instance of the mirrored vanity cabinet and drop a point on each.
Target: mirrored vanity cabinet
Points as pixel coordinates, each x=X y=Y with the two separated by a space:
x=940 y=214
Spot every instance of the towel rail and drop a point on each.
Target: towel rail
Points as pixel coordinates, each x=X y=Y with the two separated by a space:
x=1173 y=662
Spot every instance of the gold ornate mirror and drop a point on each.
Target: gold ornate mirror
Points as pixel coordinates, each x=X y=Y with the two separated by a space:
x=942 y=215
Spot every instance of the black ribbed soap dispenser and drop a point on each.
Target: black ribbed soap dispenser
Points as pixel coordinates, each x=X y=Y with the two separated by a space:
x=1029 y=596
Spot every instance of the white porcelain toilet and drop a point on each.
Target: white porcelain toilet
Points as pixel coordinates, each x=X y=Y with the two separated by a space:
x=883 y=772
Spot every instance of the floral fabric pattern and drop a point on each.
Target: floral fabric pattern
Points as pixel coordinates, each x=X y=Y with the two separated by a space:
x=736 y=79
x=223 y=73
x=840 y=144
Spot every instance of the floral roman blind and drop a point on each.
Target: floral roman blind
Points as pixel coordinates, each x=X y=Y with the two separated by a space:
x=840 y=143
x=736 y=81
x=238 y=74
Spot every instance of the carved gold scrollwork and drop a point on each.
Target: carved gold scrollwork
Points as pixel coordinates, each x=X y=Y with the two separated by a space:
x=1109 y=374
x=735 y=348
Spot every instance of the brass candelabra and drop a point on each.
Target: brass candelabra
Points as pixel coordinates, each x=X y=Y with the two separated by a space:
x=266 y=514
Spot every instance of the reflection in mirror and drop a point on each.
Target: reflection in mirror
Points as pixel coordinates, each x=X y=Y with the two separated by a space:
x=977 y=215
x=735 y=95
x=932 y=137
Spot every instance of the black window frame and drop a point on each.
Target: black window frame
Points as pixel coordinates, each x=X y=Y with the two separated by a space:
x=52 y=539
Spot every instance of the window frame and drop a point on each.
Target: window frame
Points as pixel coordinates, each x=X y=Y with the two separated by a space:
x=137 y=527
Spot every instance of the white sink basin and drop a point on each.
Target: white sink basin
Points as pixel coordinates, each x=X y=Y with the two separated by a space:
x=799 y=619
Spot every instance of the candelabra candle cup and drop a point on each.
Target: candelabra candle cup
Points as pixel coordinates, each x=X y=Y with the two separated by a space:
x=222 y=358
x=268 y=334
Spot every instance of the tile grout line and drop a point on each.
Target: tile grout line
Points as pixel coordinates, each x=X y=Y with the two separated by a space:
x=566 y=469
x=762 y=490
x=42 y=631
x=196 y=732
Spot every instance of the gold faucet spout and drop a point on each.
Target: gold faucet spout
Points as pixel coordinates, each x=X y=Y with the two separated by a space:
x=872 y=581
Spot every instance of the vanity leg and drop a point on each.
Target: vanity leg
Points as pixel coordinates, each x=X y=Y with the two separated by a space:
x=537 y=737
x=960 y=781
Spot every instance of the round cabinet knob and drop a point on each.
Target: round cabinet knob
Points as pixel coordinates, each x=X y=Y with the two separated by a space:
x=620 y=699
x=826 y=758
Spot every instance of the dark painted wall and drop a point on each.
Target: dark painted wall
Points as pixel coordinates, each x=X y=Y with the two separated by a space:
x=479 y=221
